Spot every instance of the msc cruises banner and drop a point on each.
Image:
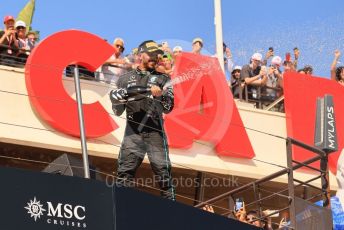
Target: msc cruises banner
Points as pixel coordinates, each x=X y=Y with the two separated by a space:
x=43 y=201
x=40 y=201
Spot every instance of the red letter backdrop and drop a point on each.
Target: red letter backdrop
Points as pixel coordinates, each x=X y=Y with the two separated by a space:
x=43 y=75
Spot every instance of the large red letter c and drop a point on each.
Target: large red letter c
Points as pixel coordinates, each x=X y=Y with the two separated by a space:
x=43 y=75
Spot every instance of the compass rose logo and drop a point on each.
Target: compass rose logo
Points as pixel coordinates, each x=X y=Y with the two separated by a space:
x=35 y=208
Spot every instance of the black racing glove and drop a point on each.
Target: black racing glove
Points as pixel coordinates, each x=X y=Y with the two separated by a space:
x=118 y=99
x=118 y=95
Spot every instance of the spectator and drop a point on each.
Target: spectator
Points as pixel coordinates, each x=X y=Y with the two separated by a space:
x=235 y=81
x=167 y=62
x=296 y=57
x=24 y=48
x=308 y=69
x=8 y=43
x=252 y=218
x=227 y=56
x=274 y=80
x=31 y=39
x=197 y=45
x=166 y=48
x=177 y=50
x=254 y=75
x=288 y=66
x=115 y=66
x=337 y=73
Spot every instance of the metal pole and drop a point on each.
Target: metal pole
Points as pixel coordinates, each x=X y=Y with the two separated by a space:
x=325 y=182
x=81 y=123
x=218 y=33
x=292 y=209
x=260 y=210
x=199 y=196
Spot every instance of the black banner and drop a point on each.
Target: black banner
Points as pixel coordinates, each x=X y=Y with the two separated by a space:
x=41 y=201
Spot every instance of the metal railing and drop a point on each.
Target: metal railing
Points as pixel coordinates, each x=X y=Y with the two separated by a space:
x=261 y=99
x=292 y=165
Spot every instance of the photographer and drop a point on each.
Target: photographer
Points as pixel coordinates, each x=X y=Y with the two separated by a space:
x=8 y=43
x=144 y=131
x=24 y=48
x=254 y=75
x=274 y=83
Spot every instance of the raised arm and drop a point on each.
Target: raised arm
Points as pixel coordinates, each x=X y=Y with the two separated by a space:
x=334 y=64
x=229 y=57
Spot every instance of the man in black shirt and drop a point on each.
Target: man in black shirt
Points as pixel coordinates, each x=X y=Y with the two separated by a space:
x=8 y=43
x=254 y=75
x=145 y=94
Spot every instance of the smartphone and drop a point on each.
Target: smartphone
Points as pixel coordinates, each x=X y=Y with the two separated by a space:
x=271 y=49
x=239 y=203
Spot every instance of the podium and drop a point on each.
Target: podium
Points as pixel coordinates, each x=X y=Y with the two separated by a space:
x=41 y=201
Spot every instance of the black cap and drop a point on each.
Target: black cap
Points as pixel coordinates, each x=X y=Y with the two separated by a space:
x=149 y=47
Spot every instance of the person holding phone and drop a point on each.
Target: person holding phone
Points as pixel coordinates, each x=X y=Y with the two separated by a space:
x=240 y=210
x=254 y=75
x=24 y=48
x=268 y=55
x=8 y=43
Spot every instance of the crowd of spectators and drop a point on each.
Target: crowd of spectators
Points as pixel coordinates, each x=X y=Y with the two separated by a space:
x=252 y=217
x=260 y=80
x=16 y=42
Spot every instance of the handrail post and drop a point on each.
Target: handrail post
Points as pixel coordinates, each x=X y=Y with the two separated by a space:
x=199 y=195
x=81 y=123
x=325 y=182
x=291 y=189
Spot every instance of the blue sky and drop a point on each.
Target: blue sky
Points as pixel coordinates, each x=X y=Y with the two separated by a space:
x=315 y=27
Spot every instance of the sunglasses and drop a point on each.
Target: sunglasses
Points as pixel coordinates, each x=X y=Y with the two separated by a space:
x=20 y=27
x=120 y=47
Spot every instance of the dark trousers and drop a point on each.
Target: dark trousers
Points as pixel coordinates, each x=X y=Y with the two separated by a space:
x=133 y=150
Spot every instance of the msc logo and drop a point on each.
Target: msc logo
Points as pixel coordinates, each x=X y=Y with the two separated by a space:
x=67 y=214
x=35 y=208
